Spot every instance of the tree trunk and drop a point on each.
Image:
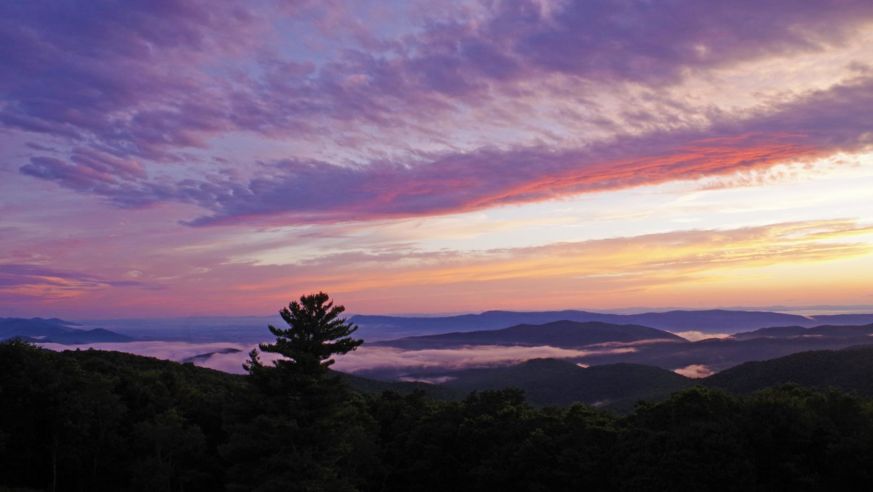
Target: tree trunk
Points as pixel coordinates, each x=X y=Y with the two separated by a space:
x=54 y=486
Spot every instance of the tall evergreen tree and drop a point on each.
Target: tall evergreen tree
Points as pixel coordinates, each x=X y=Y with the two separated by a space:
x=315 y=333
x=302 y=429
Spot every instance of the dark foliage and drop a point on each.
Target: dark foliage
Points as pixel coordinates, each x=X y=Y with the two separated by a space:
x=556 y=382
x=315 y=333
x=850 y=369
x=93 y=420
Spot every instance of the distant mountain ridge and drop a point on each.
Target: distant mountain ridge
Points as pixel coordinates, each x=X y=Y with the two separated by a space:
x=253 y=329
x=602 y=343
x=842 y=331
x=706 y=321
x=54 y=330
x=620 y=386
x=34 y=327
x=562 y=334
x=617 y=386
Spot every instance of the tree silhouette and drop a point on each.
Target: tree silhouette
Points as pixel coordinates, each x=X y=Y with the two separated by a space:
x=308 y=424
x=315 y=333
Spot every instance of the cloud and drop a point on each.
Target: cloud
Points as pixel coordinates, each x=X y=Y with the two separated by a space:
x=304 y=113
x=23 y=281
x=694 y=371
x=381 y=358
x=135 y=85
x=696 y=336
x=604 y=264
x=428 y=380
x=701 y=268
x=149 y=80
x=176 y=351
x=299 y=192
x=89 y=171
x=362 y=360
x=117 y=72
x=471 y=54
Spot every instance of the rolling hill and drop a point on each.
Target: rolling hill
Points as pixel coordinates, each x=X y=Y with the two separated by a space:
x=620 y=386
x=563 y=334
x=721 y=354
x=849 y=369
x=556 y=382
x=831 y=331
x=53 y=330
x=33 y=327
x=603 y=343
x=707 y=321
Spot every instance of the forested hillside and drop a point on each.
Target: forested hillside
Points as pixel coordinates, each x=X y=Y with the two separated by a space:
x=93 y=420
x=554 y=382
x=849 y=369
x=106 y=421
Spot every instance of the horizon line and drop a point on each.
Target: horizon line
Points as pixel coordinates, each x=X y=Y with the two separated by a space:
x=803 y=310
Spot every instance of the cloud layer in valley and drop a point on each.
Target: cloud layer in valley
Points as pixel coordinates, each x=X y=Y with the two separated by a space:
x=365 y=359
x=695 y=371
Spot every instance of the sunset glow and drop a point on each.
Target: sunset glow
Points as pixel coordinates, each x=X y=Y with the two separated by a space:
x=220 y=158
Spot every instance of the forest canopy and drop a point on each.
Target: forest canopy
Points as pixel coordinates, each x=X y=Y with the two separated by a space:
x=95 y=420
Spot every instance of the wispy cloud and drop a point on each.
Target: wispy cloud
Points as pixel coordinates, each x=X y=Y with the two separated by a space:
x=603 y=263
x=147 y=79
x=362 y=360
x=334 y=141
x=590 y=274
x=696 y=336
x=372 y=358
x=23 y=281
x=293 y=191
x=145 y=83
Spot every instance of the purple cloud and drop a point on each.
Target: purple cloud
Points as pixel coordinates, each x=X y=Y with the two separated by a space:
x=100 y=173
x=23 y=281
x=113 y=70
x=148 y=79
x=294 y=191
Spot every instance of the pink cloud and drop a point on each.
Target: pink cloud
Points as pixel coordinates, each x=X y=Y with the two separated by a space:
x=152 y=81
x=293 y=191
x=695 y=371
x=372 y=358
x=696 y=336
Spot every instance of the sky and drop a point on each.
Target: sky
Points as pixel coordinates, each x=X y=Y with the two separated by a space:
x=186 y=158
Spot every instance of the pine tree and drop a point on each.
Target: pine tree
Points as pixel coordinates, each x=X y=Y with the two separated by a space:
x=316 y=332
x=302 y=429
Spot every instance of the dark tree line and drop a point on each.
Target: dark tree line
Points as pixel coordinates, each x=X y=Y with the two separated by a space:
x=92 y=420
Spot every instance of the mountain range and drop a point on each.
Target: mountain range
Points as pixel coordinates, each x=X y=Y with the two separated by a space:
x=381 y=328
x=706 y=321
x=614 y=380
x=602 y=343
x=620 y=386
x=53 y=330
x=556 y=382
x=848 y=369
x=564 y=334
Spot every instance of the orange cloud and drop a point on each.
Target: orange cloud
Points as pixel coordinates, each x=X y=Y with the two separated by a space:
x=781 y=263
